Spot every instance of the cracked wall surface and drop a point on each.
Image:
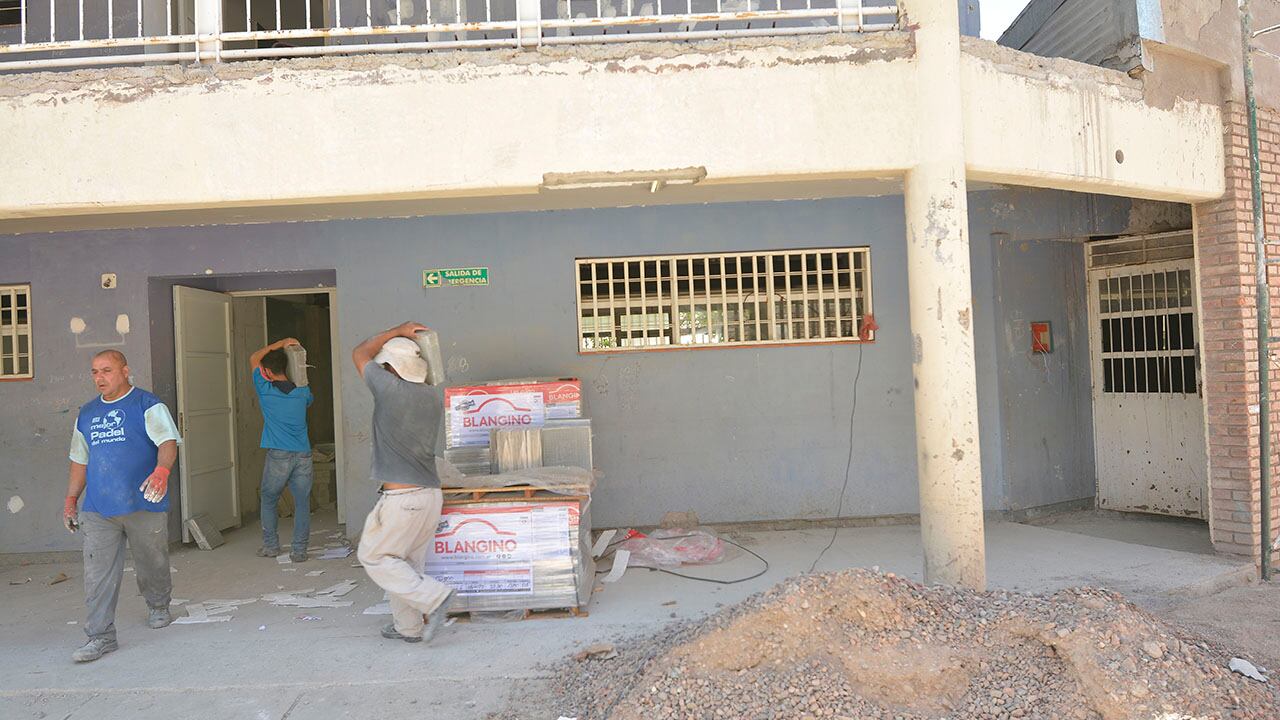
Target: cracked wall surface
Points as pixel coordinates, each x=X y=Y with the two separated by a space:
x=468 y=131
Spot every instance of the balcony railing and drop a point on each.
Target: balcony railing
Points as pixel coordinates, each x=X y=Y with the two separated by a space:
x=46 y=34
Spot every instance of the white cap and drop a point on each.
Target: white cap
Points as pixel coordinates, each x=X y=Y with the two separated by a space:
x=405 y=356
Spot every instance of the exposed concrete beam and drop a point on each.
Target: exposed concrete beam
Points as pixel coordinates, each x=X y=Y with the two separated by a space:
x=449 y=132
x=1060 y=124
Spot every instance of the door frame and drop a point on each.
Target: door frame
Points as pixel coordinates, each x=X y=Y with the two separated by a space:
x=339 y=467
x=1095 y=347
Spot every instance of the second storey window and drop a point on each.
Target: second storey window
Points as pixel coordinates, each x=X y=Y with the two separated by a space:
x=698 y=300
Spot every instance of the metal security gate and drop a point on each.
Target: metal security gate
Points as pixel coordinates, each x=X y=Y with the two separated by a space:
x=1148 y=408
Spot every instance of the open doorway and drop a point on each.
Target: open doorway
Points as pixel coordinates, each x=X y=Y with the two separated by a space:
x=214 y=334
x=257 y=320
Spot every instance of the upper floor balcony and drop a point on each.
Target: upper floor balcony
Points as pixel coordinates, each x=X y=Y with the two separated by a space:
x=49 y=34
x=383 y=108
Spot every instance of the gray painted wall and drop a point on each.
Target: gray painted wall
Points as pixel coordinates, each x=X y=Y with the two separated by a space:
x=735 y=434
x=1045 y=404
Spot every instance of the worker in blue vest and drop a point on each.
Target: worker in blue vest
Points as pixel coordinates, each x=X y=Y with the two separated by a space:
x=122 y=448
x=284 y=436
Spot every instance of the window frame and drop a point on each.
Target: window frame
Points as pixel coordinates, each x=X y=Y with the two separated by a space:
x=706 y=297
x=16 y=331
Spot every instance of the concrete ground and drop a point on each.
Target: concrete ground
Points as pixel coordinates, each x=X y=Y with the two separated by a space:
x=269 y=663
x=1170 y=533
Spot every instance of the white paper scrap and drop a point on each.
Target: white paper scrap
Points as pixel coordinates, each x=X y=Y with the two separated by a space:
x=196 y=621
x=620 y=559
x=335 y=553
x=383 y=608
x=198 y=613
x=1247 y=669
x=340 y=589
x=283 y=559
x=315 y=573
x=310 y=602
x=602 y=543
x=217 y=607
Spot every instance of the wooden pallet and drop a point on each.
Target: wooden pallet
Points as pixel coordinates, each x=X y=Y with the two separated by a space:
x=554 y=613
x=465 y=496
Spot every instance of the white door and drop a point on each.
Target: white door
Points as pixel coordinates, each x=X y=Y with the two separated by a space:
x=1148 y=408
x=206 y=406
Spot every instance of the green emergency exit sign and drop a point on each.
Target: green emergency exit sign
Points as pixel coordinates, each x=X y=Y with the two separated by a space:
x=442 y=277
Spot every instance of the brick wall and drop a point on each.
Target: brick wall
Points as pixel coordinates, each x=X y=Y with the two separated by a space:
x=1226 y=258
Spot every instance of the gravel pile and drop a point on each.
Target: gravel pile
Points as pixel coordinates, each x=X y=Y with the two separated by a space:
x=861 y=644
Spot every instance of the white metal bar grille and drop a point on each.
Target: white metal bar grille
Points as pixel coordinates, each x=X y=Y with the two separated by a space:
x=726 y=299
x=16 y=356
x=1148 y=332
x=1141 y=249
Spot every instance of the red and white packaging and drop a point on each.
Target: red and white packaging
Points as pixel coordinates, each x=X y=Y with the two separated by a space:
x=471 y=411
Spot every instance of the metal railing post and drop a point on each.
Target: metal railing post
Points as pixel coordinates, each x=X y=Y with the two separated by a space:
x=529 y=13
x=208 y=30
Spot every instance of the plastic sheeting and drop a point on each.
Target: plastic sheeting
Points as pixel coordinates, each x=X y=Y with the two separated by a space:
x=675 y=547
x=562 y=480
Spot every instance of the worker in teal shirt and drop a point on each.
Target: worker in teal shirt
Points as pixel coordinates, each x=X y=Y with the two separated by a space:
x=284 y=436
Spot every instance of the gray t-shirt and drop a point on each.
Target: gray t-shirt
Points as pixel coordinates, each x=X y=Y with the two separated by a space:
x=406 y=422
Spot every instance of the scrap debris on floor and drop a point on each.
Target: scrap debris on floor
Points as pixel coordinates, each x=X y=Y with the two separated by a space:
x=863 y=644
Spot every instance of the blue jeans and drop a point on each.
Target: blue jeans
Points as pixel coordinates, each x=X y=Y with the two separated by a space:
x=293 y=470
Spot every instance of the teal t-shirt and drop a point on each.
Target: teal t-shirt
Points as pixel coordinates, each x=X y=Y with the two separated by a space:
x=284 y=415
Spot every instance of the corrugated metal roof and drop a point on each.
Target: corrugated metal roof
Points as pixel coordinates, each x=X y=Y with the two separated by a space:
x=1098 y=32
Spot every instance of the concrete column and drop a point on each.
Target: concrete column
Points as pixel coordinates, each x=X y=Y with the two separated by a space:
x=940 y=288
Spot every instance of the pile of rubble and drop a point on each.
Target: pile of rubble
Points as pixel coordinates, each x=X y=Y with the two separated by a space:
x=862 y=644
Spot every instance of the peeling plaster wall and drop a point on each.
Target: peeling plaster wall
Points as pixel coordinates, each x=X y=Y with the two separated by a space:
x=1212 y=28
x=449 y=125
x=735 y=434
x=1063 y=124
x=258 y=136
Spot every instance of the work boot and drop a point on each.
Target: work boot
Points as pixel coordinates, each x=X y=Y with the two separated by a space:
x=94 y=649
x=265 y=551
x=389 y=632
x=159 y=617
x=298 y=556
x=437 y=618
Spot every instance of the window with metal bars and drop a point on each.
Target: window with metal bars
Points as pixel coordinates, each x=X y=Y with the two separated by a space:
x=15 y=332
x=728 y=299
x=1148 y=333
x=10 y=12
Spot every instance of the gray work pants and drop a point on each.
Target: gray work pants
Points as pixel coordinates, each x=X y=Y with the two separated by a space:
x=104 y=539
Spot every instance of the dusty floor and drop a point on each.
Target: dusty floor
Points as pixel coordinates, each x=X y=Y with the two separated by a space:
x=1245 y=618
x=268 y=662
x=1170 y=533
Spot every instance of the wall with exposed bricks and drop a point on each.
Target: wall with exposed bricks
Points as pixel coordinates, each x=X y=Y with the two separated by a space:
x=1227 y=270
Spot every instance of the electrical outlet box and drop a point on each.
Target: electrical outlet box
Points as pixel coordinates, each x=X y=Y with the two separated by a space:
x=108 y=281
